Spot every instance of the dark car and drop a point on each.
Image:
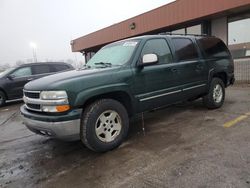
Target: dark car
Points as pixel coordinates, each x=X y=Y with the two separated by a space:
x=123 y=79
x=13 y=80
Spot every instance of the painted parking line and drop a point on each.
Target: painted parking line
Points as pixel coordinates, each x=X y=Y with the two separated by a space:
x=4 y=110
x=236 y=120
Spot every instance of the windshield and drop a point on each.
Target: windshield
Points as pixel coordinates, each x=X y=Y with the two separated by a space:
x=114 y=54
x=7 y=71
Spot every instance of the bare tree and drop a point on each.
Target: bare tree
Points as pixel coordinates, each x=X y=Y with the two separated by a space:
x=70 y=61
x=4 y=67
x=20 y=62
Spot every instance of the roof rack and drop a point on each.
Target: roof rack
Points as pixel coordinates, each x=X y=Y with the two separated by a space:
x=169 y=33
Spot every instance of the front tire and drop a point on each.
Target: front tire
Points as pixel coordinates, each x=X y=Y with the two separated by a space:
x=2 y=98
x=215 y=98
x=104 y=125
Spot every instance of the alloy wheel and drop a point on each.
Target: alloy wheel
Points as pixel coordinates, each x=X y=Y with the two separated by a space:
x=217 y=93
x=108 y=126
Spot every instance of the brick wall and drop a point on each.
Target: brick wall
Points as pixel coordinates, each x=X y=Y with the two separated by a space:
x=242 y=70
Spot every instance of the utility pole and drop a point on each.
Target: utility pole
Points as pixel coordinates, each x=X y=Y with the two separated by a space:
x=33 y=46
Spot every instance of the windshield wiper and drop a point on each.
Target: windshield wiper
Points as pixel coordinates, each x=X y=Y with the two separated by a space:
x=104 y=64
x=85 y=67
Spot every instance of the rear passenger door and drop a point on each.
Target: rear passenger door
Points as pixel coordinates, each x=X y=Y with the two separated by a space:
x=192 y=68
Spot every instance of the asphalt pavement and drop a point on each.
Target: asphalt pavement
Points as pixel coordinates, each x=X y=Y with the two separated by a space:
x=184 y=145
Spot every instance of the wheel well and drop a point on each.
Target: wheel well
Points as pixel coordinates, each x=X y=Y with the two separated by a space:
x=222 y=76
x=4 y=93
x=120 y=96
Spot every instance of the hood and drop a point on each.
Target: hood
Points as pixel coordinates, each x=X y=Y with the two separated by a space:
x=53 y=81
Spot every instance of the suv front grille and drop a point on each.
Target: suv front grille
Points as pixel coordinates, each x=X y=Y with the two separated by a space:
x=34 y=106
x=32 y=95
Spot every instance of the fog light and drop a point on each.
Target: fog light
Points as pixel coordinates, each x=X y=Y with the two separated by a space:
x=59 y=108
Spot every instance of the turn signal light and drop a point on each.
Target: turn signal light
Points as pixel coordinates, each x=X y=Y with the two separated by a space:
x=62 y=108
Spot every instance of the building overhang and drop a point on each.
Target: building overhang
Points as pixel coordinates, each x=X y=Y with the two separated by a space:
x=178 y=13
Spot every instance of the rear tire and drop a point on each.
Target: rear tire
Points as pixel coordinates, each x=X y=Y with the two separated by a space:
x=215 y=98
x=2 y=98
x=104 y=125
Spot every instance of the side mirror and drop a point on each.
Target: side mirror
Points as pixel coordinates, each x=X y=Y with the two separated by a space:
x=149 y=59
x=10 y=77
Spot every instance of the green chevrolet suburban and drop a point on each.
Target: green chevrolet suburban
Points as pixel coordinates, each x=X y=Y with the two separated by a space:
x=123 y=79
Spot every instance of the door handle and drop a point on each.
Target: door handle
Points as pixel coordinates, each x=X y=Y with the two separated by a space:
x=174 y=70
x=30 y=79
x=199 y=67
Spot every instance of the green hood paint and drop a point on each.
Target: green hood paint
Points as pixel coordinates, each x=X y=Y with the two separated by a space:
x=86 y=82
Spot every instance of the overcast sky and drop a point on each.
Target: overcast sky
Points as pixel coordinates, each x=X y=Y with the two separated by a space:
x=52 y=24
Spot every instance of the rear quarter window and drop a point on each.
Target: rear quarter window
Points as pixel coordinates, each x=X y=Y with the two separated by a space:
x=58 y=68
x=213 y=47
x=41 y=69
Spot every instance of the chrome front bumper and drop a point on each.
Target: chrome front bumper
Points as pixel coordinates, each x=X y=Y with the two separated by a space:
x=65 y=130
x=65 y=126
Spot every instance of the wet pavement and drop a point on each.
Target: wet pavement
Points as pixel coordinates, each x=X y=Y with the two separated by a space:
x=182 y=146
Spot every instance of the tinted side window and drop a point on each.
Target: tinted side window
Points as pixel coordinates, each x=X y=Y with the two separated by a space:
x=22 y=72
x=160 y=48
x=41 y=69
x=58 y=68
x=213 y=47
x=185 y=49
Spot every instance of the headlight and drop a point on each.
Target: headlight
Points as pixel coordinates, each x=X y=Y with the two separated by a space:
x=53 y=95
x=56 y=101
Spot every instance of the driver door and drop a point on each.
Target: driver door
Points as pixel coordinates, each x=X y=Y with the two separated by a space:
x=17 y=80
x=156 y=85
